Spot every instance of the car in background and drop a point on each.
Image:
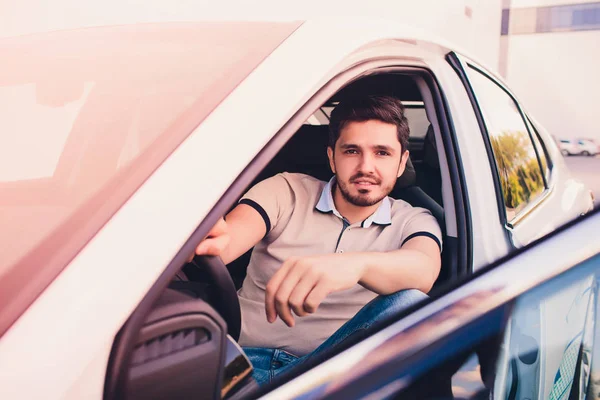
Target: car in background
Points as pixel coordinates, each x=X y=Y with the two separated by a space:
x=122 y=146
x=569 y=147
x=588 y=147
x=573 y=147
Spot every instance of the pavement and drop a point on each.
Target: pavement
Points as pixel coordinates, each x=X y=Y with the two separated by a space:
x=587 y=170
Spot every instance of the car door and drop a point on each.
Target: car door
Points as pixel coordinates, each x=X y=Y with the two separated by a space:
x=531 y=202
x=535 y=196
x=478 y=340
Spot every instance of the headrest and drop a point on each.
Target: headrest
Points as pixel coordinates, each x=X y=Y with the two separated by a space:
x=408 y=177
x=430 y=155
x=306 y=152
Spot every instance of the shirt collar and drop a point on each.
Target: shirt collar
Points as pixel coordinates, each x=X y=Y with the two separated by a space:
x=383 y=215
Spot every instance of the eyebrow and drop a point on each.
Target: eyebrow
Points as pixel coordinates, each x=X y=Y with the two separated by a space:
x=377 y=147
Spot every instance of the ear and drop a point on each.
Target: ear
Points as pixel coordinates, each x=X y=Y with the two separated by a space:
x=403 y=162
x=330 y=156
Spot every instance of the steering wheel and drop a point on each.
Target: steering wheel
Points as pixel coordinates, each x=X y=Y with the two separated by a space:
x=224 y=296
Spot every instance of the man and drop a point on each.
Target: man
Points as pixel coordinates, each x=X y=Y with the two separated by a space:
x=323 y=251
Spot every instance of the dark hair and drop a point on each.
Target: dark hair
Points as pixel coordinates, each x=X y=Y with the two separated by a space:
x=382 y=108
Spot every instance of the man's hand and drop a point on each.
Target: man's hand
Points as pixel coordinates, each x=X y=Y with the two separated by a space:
x=215 y=242
x=301 y=284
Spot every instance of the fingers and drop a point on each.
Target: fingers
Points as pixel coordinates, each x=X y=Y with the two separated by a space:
x=289 y=290
x=216 y=241
x=300 y=292
x=213 y=246
x=273 y=287
x=282 y=295
x=191 y=257
x=219 y=228
x=316 y=297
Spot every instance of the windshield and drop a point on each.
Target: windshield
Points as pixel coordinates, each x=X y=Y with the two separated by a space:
x=85 y=118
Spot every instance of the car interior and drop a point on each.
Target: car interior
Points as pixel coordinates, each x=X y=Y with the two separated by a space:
x=306 y=153
x=186 y=344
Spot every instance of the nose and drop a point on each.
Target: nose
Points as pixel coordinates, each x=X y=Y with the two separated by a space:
x=367 y=164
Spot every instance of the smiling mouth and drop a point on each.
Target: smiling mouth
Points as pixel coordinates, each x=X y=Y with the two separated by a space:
x=362 y=185
x=364 y=179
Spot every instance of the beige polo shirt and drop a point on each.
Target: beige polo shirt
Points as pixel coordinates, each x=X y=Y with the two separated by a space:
x=301 y=220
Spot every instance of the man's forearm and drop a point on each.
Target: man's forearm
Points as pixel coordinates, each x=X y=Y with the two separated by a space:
x=301 y=284
x=389 y=272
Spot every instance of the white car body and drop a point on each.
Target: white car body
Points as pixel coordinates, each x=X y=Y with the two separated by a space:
x=60 y=346
x=573 y=147
x=587 y=147
x=569 y=147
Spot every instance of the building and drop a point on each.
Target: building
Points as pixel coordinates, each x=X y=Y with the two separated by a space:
x=550 y=56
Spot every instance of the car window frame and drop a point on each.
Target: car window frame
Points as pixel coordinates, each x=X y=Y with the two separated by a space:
x=544 y=148
x=440 y=118
x=121 y=348
x=461 y=64
x=532 y=204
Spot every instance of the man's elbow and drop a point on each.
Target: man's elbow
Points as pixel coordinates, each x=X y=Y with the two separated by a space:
x=433 y=271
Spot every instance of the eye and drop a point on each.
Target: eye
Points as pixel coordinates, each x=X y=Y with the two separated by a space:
x=351 y=151
x=383 y=153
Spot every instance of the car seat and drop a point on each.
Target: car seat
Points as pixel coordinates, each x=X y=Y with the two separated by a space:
x=428 y=175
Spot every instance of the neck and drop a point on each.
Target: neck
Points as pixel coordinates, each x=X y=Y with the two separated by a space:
x=352 y=213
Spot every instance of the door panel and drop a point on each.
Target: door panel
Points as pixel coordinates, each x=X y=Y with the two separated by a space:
x=544 y=350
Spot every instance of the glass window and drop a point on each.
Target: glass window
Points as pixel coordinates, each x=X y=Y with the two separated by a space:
x=549 y=338
x=522 y=20
x=589 y=16
x=544 y=19
x=561 y=18
x=564 y=17
x=578 y=17
x=414 y=111
x=542 y=351
x=516 y=160
x=417 y=120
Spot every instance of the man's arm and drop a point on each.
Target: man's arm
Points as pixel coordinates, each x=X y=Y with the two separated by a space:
x=242 y=228
x=258 y=211
x=415 y=266
x=301 y=284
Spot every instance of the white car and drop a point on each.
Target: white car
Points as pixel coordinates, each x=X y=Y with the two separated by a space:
x=588 y=147
x=584 y=147
x=569 y=147
x=121 y=146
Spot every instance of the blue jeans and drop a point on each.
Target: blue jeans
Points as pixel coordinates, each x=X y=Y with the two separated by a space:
x=269 y=363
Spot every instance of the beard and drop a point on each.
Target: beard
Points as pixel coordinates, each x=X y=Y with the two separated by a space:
x=364 y=198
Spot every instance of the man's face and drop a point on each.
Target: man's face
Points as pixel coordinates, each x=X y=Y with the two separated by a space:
x=366 y=161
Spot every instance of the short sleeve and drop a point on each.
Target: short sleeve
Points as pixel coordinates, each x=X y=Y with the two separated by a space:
x=271 y=198
x=422 y=223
